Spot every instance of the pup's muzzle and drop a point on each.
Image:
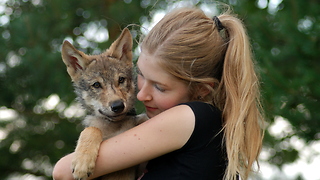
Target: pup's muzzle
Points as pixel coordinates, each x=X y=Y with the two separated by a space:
x=117 y=106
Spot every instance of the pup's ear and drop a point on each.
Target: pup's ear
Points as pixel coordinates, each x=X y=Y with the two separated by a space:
x=122 y=47
x=75 y=60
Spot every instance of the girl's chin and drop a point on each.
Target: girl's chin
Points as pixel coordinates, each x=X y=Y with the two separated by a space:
x=151 y=114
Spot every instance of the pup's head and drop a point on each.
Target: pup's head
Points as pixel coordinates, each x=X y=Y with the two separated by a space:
x=103 y=83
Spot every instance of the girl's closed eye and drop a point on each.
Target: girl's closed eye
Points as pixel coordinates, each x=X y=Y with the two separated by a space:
x=159 y=88
x=138 y=71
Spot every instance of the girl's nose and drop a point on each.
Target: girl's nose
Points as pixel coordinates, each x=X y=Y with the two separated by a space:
x=144 y=93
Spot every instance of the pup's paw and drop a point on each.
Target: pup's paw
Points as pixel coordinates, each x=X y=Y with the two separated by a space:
x=83 y=166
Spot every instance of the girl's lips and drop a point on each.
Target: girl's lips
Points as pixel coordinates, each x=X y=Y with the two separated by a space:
x=150 y=108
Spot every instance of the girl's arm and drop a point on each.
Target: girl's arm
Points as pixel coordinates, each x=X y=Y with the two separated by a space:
x=159 y=135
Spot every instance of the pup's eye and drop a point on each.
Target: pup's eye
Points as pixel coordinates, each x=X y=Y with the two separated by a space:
x=121 y=80
x=96 y=85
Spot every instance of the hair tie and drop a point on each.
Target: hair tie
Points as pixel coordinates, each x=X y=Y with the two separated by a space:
x=218 y=23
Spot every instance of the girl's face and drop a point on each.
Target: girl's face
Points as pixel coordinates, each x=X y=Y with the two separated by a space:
x=158 y=90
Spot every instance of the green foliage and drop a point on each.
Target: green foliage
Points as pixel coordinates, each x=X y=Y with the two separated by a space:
x=31 y=69
x=286 y=42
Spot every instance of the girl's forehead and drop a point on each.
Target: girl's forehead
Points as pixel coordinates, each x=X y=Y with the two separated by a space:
x=147 y=61
x=149 y=64
x=149 y=67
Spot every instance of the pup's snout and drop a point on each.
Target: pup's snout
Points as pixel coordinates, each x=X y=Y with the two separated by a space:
x=117 y=106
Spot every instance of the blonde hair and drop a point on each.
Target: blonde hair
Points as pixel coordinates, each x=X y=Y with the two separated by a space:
x=190 y=46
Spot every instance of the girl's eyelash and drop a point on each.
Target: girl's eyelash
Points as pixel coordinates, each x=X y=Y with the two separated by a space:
x=138 y=71
x=159 y=88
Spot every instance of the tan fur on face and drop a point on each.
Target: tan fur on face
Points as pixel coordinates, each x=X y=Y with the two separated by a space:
x=105 y=87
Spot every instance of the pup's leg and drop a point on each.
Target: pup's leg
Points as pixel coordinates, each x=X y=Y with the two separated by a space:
x=86 y=152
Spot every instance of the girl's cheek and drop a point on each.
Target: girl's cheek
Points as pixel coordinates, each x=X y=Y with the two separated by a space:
x=166 y=104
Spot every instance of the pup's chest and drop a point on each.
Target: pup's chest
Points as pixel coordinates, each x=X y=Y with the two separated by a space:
x=110 y=129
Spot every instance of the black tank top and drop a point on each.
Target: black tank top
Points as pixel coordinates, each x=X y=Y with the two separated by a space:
x=201 y=158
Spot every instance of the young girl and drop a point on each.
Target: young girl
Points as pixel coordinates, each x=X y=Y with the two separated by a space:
x=197 y=80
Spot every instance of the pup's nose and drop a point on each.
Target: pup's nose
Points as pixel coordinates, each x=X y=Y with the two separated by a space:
x=117 y=106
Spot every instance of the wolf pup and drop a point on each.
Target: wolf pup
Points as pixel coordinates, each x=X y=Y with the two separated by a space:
x=105 y=87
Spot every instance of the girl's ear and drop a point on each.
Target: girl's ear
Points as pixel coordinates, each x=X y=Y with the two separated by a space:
x=204 y=89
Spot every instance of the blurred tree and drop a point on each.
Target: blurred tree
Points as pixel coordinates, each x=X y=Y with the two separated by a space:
x=286 y=41
x=33 y=78
x=36 y=92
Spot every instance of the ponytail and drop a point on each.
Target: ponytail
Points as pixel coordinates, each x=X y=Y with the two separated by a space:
x=238 y=92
